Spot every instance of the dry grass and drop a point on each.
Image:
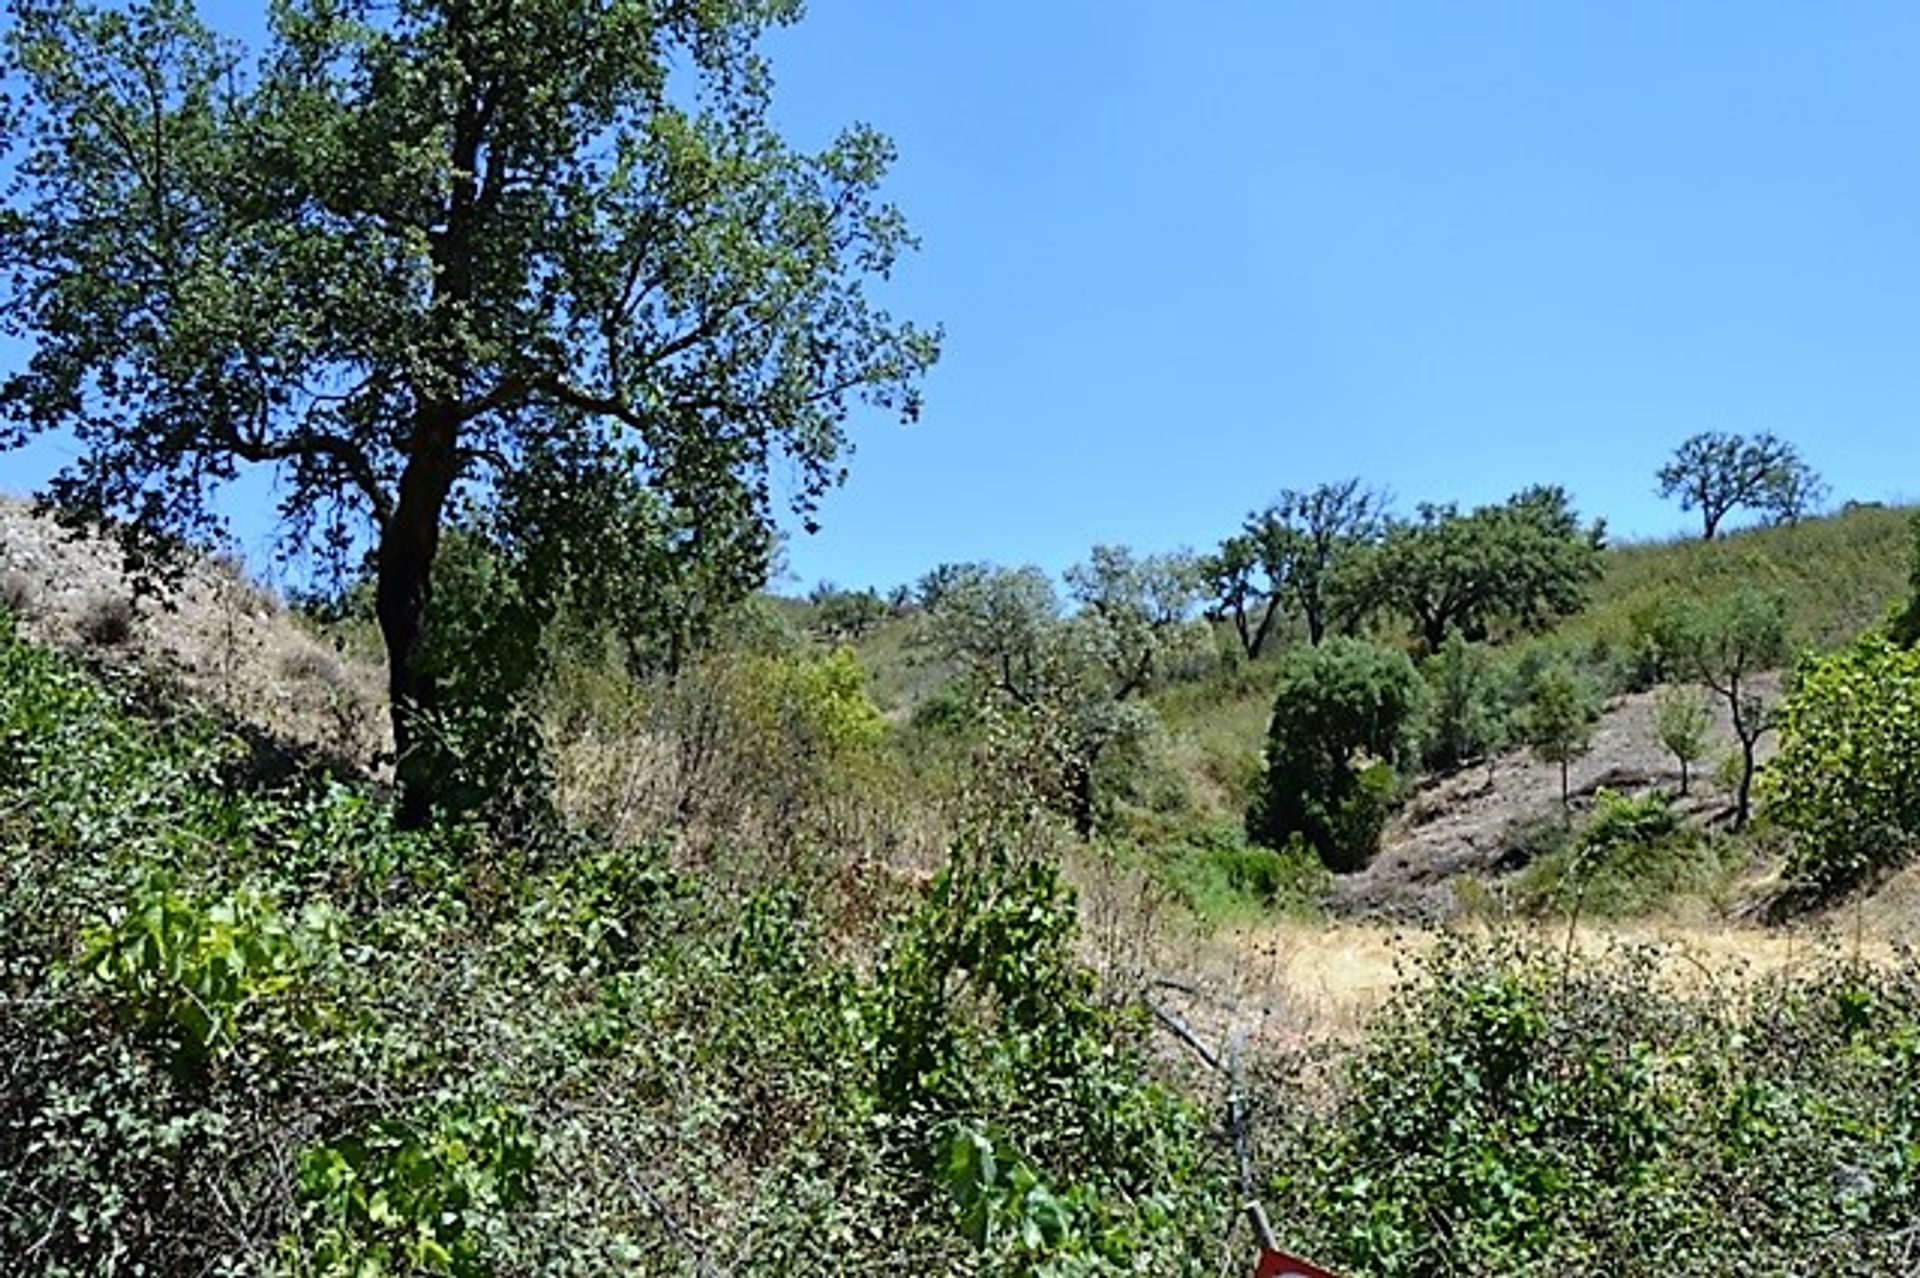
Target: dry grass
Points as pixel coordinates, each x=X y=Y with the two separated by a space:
x=1285 y=983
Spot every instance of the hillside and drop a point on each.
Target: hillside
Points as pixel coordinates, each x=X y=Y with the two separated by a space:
x=216 y=636
x=1839 y=574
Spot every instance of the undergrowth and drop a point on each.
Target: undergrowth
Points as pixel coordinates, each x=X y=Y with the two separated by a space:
x=263 y=1031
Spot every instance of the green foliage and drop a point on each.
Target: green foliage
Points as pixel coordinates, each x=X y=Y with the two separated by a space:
x=413 y=1197
x=981 y=1008
x=1904 y=629
x=1681 y=720
x=844 y=616
x=1297 y=555
x=1467 y=711
x=264 y=1031
x=191 y=974
x=1067 y=691
x=1723 y=643
x=1632 y=857
x=1556 y=718
x=1717 y=473
x=1343 y=720
x=1222 y=878
x=1518 y=566
x=1846 y=781
x=1523 y=1112
x=555 y=267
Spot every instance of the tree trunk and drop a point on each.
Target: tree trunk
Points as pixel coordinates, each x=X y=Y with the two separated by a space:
x=1683 y=778
x=1744 y=799
x=409 y=542
x=1566 y=798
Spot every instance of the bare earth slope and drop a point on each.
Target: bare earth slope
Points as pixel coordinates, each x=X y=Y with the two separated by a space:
x=1472 y=820
x=220 y=637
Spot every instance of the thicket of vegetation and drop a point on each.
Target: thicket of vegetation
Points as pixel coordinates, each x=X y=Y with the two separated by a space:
x=257 y=1028
x=1519 y=1112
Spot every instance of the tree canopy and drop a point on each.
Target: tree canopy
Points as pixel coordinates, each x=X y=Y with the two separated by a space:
x=1520 y=564
x=1290 y=556
x=1074 y=679
x=406 y=250
x=1716 y=473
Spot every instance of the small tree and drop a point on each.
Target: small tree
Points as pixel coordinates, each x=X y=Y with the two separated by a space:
x=1468 y=718
x=1718 y=473
x=1343 y=720
x=1073 y=683
x=1724 y=644
x=1681 y=720
x=1558 y=722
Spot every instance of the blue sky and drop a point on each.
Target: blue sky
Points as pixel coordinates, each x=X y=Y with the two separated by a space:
x=1188 y=256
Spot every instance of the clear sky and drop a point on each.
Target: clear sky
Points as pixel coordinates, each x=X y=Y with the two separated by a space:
x=1189 y=255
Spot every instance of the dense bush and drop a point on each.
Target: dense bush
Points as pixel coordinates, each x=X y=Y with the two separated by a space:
x=248 y=1031
x=1343 y=720
x=1519 y=1113
x=1467 y=714
x=1846 y=781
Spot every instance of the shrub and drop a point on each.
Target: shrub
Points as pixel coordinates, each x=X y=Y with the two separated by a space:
x=1517 y=1111
x=190 y=974
x=1468 y=715
x=1343 y=719
x=1632 y=856
x=413 y=1196
x=106 y=621
x=1219 y=875
x=1846 y=782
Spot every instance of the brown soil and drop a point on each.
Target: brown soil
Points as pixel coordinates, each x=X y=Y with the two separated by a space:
x=225 y=641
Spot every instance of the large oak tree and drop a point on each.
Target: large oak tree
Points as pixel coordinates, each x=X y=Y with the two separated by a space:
x=410 y=248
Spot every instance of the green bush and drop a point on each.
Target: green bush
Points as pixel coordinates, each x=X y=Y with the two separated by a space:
x=1517 y=1112
x=1343 y=719
x=1846 y=781
x=1220 y=876
x=1632 y=856
x=248 y=1030
x=1467 y=715
x=412 y=1196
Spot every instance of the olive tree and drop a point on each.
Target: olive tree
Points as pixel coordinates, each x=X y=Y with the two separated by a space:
x=1716 y=473
x=1072 y=680
x=405 y=248
x=1724 y=643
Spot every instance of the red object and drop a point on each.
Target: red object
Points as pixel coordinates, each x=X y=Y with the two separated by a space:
x=1278 y=1264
